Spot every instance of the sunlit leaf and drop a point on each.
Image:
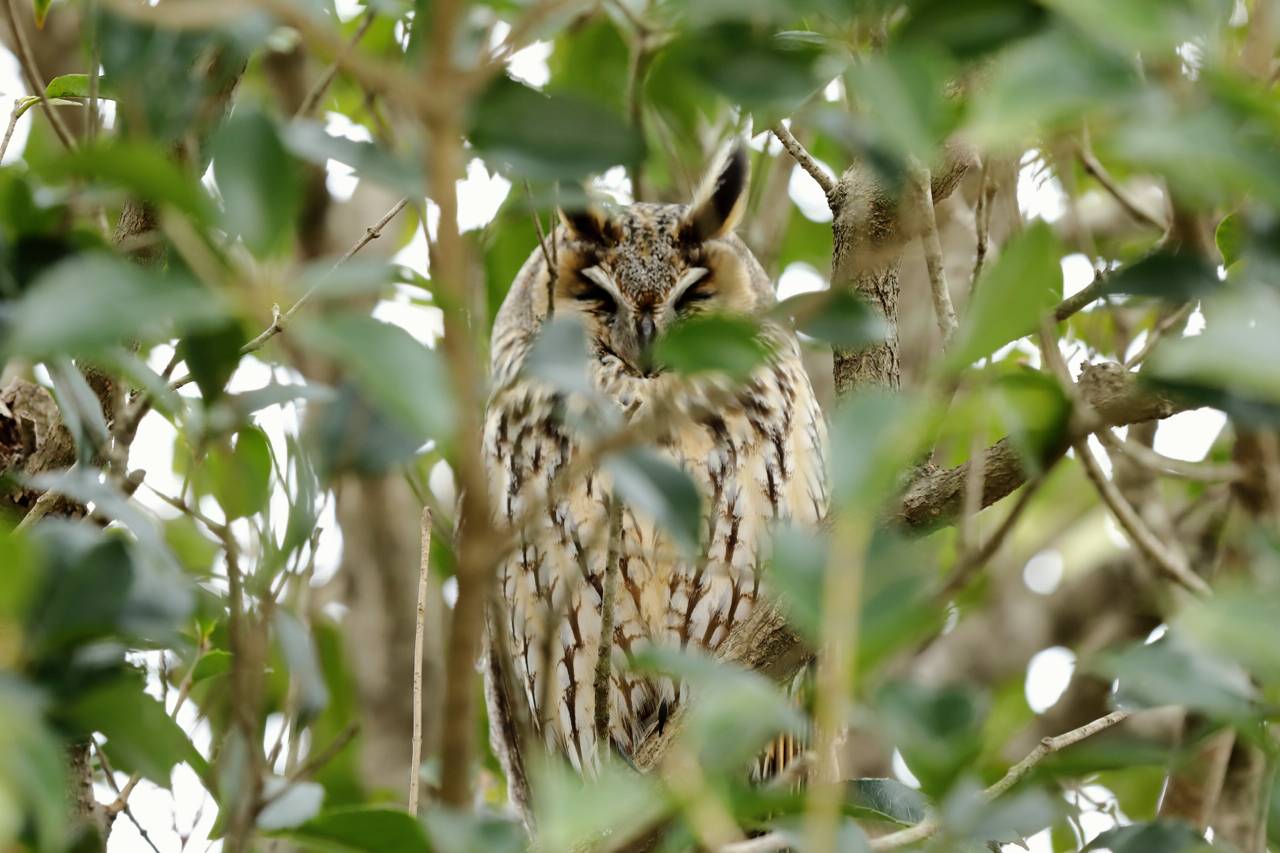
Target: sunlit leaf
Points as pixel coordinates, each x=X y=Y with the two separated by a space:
x=571 y=811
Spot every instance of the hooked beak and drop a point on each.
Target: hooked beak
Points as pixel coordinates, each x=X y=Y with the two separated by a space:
x=646 y=332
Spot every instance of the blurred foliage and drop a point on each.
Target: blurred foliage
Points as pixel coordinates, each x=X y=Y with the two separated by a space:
x=128 y=617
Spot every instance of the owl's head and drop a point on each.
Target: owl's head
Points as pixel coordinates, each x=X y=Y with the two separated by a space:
x=632 y=272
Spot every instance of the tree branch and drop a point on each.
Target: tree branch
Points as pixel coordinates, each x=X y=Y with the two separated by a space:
x=806 y=161
x=929 y=827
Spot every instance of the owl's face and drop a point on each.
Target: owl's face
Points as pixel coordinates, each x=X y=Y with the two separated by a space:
x=631 y=273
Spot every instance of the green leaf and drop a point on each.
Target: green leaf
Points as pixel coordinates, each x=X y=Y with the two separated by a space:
x=1231 y=238
x=971 y=28
x=549 y=136
x=304 y=667
x=451 y=830
x=289 y=803
x=40 y=9
x=1175 y=671
x=754 y=66
x=361 y=829
x=260 y=183
x=1232 y=363
x=1162 y=836
x=938 y=730
x=968 y=814
x=140 y=736
x=81 y=410
x=573 y=813
x=32 y=767
x=91 y=302
x=885 y=799
x=212 y=355
x=212 y=664
x=559 y=356
x=146 y=172
x=734 y=712
x=308 y=140
x=239 y=476
x=905 y=112
x=76 y=86
x=1014 y=293
x=1172 y=276
x=873 y=437
x=349 y=433
x=1046 y=82
x=713 y=342
x=1240 y=622
x=654 y=486
x=398 y=374
x=836 y=316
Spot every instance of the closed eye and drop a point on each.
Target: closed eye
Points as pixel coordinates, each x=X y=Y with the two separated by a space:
x=589 y=289
x=694 y=287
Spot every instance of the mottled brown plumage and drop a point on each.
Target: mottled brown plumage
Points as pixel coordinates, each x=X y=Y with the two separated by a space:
x=755 y=450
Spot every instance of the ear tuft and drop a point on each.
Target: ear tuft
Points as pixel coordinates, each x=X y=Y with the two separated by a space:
x=589 y=224
x=720 y=201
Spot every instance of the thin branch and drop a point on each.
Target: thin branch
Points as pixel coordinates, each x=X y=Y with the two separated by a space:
x=1145 y=456
x=929 y=827
x=1077 y=302
x=322 y=85
x=32 y=74
x=1108 y=183
x=932 y=246
x=806 y=161
x=8 y=131
x=280 y=320
x=1161 y=329
x=981 y=225
x=1170 y=562
x=122 y=796
x=604 y=656
x=415 y=753
x=975 y=558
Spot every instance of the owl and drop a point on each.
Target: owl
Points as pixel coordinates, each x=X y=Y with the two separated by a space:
x=755 y=450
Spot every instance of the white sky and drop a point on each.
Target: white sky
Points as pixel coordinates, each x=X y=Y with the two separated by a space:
x=166 y=816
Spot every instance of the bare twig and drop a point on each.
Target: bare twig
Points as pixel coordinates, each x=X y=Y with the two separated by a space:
x=981 y=225
x=8 y=131
x=31 y=72
x=322 y=85
x=280 y=320
x=1145 y=456
x=415 y=754
x=122 y=796
x=932 y=246
x=806 y=160
x=1108 y=183
x=1161 y=328
x=972 y=559
x=1170 y=562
